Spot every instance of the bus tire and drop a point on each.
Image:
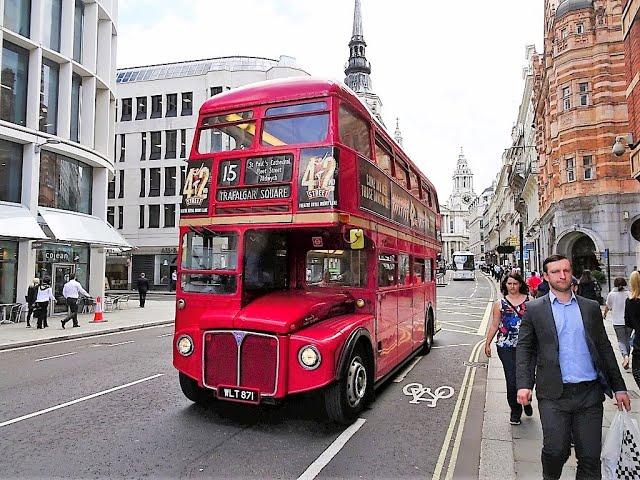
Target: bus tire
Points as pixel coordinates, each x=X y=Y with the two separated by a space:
x=193 y=392
x=428 y=334
x=345 y=398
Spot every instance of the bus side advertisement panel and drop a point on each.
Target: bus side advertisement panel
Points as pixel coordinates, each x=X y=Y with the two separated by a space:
x=197 y=186
x=317 y=178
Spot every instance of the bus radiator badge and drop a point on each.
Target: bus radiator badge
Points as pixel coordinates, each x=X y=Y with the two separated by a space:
x=239 y=336
x=420 y=393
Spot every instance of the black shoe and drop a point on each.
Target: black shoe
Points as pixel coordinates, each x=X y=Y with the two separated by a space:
x=28 y=325
x=62 y=323
x=528 y=410
x=76 y=326
x=515 y=420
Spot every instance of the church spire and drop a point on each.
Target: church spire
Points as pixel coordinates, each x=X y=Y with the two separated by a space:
x=397 y=136
x=358 y=68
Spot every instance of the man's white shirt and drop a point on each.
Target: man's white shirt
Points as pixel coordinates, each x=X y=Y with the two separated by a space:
x=72 y=289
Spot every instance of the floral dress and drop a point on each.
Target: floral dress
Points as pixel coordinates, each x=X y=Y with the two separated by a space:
x=509 y=327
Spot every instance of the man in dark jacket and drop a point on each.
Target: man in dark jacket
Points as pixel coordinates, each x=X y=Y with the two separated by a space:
x=30 y=297
x=575 y=367
x=143 y=288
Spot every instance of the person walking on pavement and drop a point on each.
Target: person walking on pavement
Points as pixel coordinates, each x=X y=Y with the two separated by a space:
x=173 y=281
x=30 y=297
x=143 y=288
x=507 y=315
x=587 y=286
x=45 y=295
x=615 y=304
x=632 y=320
x=575 y=367
x=533 y=282
x=71 y=292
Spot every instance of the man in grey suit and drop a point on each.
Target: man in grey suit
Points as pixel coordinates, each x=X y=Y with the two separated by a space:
x=575 y=368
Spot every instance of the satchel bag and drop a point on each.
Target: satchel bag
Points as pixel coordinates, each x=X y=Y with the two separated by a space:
x=621 y=451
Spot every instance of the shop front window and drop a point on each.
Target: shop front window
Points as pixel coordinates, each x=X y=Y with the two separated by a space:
x=8 y=271
x=56 y=261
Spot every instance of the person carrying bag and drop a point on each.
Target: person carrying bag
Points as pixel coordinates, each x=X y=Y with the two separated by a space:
x=621 y=451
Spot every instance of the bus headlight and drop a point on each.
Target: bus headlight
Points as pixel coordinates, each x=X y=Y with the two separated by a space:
x=309 y=357
x=185 y=345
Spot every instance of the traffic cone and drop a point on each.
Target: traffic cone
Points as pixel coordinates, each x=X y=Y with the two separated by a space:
x=98 y=317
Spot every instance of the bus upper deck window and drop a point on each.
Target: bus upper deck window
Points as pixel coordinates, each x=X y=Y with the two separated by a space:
x=354 y=132
x=219 y=135
x=295 y=130
x=383 y=159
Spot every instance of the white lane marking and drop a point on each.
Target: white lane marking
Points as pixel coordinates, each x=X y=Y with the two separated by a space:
x=56 y=356
x=78 y=400
x=466 y=328
x=166 y=335
x=406 y=371
x=454 y=345
x=482 y=328
x=454 y=416
x=332 y=450
x=475 y=288
x=92 y=338
x=460 y=331
x=121 y=343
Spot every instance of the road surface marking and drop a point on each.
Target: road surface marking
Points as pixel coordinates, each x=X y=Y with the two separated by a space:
x=455 y=345
x=420 y=393
x=466 y=328
x=453 y=460
x=166 y=335
x=332 y=450
x=459 y=331
x=454 y=416
x=406 y=371
x=56 y=356
x=78 y=400
x=91 y=338
x=485 y=319
x=121 y=343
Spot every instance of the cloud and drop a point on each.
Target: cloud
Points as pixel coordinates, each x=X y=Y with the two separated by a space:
x=451 y=71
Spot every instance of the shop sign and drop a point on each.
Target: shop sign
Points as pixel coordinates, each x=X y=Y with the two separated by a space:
x=169 y=250
x=318 y=178
x=197 y=185
x=56 y=256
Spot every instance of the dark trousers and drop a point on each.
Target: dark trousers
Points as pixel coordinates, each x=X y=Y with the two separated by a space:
x=635 y=365
x=576 y=414
x=72 y=303
x=143 y=297
x=507 y=356
x=41 y=314
x=31 y=309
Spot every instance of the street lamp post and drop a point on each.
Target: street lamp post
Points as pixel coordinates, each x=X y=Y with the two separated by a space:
x=498 y=230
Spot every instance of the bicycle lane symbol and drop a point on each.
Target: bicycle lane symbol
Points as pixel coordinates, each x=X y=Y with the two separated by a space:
x=420 y=393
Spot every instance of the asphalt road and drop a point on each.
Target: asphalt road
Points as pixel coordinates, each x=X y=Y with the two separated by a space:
x=110 y=406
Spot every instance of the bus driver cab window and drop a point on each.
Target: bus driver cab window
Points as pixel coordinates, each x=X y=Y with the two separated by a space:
x=265 y=261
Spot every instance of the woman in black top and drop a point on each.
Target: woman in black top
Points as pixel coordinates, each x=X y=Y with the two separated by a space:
x=632 y=320
x=587 y=287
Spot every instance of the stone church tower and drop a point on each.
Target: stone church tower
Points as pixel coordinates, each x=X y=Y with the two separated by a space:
x=358 y=68
x=455 y=213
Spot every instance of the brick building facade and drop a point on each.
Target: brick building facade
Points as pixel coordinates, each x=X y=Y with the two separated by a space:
x=587 y=197
x=631 y=34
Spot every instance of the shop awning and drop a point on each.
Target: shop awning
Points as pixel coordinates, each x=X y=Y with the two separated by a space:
x=18 y=222
x=77 y=227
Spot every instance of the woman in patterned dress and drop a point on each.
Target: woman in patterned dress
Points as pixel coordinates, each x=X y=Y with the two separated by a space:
x=507 y=315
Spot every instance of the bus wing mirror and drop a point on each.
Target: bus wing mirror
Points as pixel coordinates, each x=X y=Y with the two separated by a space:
x=356 y=239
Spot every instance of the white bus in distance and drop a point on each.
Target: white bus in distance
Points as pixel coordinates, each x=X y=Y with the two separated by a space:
x=464 y=267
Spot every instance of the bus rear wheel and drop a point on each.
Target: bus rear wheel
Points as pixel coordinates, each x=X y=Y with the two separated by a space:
x=428 y=335
x=193 y=392
x=346 y=398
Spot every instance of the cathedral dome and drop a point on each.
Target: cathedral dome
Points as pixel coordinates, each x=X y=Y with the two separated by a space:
x=572 y=5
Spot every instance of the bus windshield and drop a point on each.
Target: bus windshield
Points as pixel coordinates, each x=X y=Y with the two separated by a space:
x=463 y=262
x=207 y=251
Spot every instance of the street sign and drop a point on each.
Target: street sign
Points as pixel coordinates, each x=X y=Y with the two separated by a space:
x=503 y=249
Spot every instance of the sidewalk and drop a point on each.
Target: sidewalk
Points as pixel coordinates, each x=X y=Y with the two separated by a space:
x=156 y=312
x=513 y=452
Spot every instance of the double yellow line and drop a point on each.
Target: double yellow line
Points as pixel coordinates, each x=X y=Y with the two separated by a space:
x=458 y=418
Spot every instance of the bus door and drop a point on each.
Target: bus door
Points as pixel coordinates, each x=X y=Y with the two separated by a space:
x=387 y=314
x=405 y=307
x=419 y=301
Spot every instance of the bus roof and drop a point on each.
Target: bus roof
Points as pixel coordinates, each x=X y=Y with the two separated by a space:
x=299 y=88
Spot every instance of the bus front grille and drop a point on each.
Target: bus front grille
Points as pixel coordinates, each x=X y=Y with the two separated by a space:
x=243 y=359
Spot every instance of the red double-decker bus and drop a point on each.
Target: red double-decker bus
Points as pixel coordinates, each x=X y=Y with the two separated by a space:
x=308 y=242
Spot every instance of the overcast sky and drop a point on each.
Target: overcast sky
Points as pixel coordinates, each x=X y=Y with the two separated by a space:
x=450 y=70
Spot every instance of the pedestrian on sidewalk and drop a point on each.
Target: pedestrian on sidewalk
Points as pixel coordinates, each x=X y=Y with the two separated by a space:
x=45 y=295
x=71 y=292
x=533 y=282
x=143 y=288
x=31 y=297
x=587 y=286
x=575 y=368
x=507 y=315
x=543 y=288
x=615 y=304
x=632 y=320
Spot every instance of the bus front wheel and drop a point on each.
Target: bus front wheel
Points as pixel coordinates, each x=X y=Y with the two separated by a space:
x=428 y=335
x=193 y=392
x=345 y=398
